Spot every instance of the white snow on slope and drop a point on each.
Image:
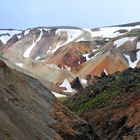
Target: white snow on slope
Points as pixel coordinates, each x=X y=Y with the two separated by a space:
x=56 y=48
x=67 y=68
x=86 y=56
x=26 y=32
x=57 y=94
x=67 y=85
x=121 y=41
x=115 y=34
x=93 y=57
x=84 y=81
x=134 y=64
x=19 y=64
x=105 y=72
x=81 y=39
x=5 y=38
x=131 y=64
x=48 y=51
x=72 y=34
x=28 y=51
x=37 y=58
x=110 y=31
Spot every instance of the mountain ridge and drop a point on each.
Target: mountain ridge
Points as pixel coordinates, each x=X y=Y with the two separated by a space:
x=70 y=52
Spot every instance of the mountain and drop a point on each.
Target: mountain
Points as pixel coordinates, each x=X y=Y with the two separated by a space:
x=29 y=111
x=111 y=105
x=100 y=65
x=58 y=55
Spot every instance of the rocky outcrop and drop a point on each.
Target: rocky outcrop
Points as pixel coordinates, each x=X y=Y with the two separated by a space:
x=12 y=40
x=1 y=44
x=76 y=85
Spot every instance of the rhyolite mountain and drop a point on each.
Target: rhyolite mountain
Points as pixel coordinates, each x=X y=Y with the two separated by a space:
x=58 y=55
x=37 y=62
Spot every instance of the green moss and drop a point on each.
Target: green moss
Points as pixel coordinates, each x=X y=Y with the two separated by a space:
x=138 y=85
x=100 y=100
x=62 y=99
x=106 y=91
x=134 y=33
x=117 y=77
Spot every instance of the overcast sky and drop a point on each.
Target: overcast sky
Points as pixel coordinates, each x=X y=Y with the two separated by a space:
x=22 y=14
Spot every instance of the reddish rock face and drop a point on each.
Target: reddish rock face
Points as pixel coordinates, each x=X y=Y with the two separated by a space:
x=71 y=55
x=2 y=63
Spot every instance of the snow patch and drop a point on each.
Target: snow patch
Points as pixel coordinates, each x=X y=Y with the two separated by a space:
x=48 y=51
x=8 y=35
x=133 y=64
x=138 y=45
x=67 y=85
x=117 y=34
x=84 y=81
x=67 y=68
x=56 y=48
x=4 y=39
x=120 y=42
x=110 y=32
x=86 y=56
x=19 y=64
x=72 y=35
x=37 y=58
x=81 y=39
x=26 y=32
x=79 y=62
x=57 y=94
x=105 y=72
x=70 y=32
x=28 y=51
x=19 y=36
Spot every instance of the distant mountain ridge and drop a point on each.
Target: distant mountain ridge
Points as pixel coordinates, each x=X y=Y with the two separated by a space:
x=60 y=54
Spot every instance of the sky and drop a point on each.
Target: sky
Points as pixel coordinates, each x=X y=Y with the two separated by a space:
x=23 y=14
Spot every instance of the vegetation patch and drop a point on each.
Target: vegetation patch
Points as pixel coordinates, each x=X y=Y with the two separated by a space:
x=63 y=99
x=134 y=33
x=106 y=91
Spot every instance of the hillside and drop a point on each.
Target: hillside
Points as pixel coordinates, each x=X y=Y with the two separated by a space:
x=111 y=105
x=29 y=111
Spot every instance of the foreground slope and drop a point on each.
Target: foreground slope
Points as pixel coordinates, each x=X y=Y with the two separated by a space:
x=29 y=111
x=111 y=106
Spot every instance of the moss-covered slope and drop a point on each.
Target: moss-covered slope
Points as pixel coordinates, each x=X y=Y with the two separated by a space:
x=106 y=91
